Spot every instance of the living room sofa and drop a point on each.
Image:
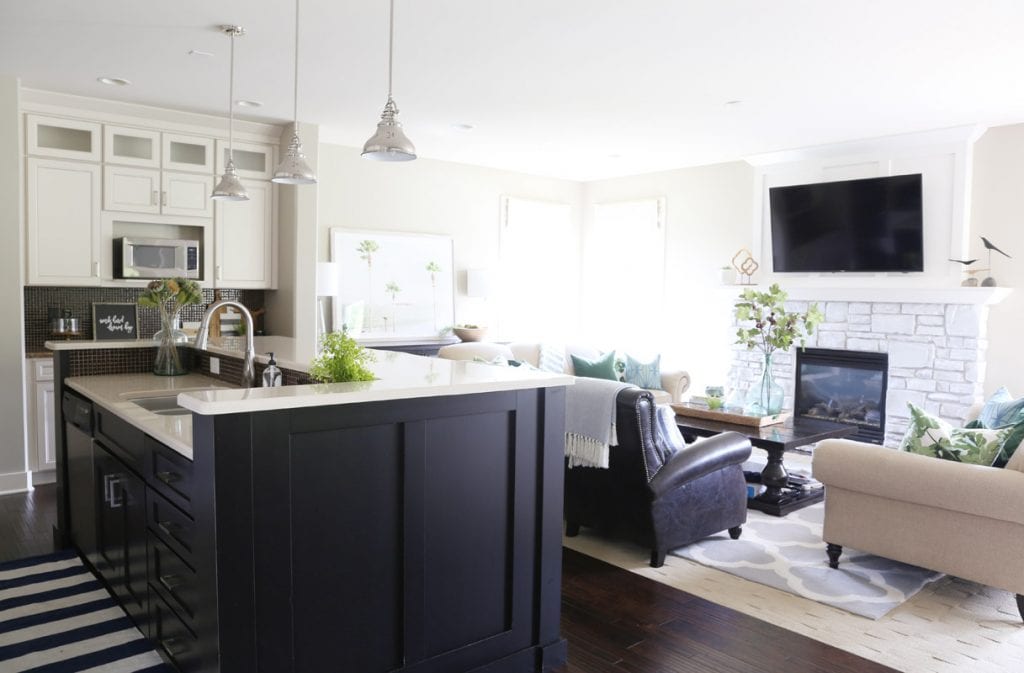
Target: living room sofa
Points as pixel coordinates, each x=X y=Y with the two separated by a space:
x=960 y=519
x=674 y=383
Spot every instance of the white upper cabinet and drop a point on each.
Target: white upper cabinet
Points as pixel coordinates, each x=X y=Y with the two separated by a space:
x=135 y=190
x=63 y=213
x=131 y=147
x=246 y=239
x=190 y=154
x=186 y=194
x=62 y=138
x=252 y=160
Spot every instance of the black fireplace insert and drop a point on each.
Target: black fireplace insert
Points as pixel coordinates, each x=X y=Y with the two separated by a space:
x=844 y=387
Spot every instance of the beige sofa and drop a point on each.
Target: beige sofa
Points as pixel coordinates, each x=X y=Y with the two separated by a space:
x=673 y=383
x=963 y=520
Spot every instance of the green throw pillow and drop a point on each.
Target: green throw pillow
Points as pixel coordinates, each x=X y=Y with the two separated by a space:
x=929 y=435
x=644 y=374
x=601 y=368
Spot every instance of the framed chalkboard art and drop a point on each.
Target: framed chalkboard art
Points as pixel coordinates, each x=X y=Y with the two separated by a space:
x=115 y=321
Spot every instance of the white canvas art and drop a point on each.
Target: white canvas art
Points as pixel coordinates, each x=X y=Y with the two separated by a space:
x=393 y=284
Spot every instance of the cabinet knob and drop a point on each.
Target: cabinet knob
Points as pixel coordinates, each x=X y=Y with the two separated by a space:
x=170 y=582
x=174 y=646
x=96 y=269
x=218 y=274
x=163 y=198
x=168 y=477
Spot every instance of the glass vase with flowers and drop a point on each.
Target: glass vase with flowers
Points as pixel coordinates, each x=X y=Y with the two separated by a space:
x=168 y=295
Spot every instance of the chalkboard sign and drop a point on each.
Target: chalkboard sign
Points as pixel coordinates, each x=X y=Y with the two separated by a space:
x=115 y=321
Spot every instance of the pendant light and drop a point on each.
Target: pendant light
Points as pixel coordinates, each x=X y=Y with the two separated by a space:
x=293 y=169
x=389 y=142
x=230 y=188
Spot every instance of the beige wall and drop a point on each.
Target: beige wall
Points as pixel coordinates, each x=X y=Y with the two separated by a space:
x=12 y=344
x=997 y=213
x=709 y=216
x=429 y=196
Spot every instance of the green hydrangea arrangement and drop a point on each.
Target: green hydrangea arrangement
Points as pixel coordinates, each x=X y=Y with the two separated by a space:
x=774 y=328
x=341 y=359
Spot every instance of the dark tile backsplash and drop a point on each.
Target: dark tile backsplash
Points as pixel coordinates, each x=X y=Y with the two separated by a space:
x=79 y=301
x=92 y=362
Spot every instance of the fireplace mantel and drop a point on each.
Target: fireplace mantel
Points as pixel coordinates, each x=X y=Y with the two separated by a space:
x=904 y=295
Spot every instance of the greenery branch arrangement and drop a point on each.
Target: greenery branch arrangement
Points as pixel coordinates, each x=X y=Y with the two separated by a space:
x=341 y=360
x=169 y=295
x=774 y=328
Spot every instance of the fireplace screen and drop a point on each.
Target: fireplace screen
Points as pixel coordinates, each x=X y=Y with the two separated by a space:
x=844 y=387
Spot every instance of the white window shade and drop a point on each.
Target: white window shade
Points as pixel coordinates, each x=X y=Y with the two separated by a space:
x=538 y=279
x=624 y=276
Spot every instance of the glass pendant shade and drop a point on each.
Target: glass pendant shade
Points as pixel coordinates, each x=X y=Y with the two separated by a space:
x=293 y=169
x=230 y=188
x=389 y=142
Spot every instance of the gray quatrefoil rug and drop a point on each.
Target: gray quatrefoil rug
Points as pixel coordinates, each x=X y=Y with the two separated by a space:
x=787 y=553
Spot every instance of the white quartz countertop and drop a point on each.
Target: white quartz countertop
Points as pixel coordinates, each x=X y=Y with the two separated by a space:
x=115 y=392
x=399 y=376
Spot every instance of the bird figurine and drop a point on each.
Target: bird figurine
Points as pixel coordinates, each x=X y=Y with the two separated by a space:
x=990 y=246
x=965 y=262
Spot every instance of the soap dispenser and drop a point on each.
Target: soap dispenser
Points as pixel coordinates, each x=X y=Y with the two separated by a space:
x=272 y=374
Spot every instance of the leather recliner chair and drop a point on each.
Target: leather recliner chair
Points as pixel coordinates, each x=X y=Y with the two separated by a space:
x=657 y=494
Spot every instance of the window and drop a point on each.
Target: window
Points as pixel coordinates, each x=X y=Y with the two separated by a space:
x=539 y=271
x=624 y=276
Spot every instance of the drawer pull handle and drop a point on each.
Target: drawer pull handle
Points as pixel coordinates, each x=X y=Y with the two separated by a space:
x=170 y=582
x=168 y=477
x=174 y=646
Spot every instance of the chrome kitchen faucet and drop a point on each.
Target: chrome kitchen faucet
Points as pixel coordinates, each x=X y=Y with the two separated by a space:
x=203 y=338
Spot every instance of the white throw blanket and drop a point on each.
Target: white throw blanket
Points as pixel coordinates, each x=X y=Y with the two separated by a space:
x=590 y=421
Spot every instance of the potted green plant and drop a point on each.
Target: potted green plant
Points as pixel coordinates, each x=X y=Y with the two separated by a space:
x=341 y=360
x=765 y=324
x=168 y=295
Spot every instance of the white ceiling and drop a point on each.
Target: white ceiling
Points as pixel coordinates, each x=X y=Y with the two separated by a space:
x=580 y=89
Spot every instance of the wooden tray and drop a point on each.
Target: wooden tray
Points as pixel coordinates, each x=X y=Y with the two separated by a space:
x=729 y=416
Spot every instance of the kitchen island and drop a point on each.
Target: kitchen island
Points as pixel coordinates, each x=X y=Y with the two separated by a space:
x=411 y=523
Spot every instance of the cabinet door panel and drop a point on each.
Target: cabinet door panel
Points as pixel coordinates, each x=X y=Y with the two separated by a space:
x=46 y=446
x=247 y=239
x=134 y=190
x=187 y=194
x=252 y=160
x=191 y=154
x=63 y=222
x=62 y=138
x=131 y=147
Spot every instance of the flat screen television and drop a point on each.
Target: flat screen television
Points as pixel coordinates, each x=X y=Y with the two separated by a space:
x=869 y=225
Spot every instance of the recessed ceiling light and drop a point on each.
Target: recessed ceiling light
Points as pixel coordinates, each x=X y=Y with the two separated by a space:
x=248 y=103
x=199 y=52
x=614 y=156
x=113 y=81
x=729 y=104
x=463 y=127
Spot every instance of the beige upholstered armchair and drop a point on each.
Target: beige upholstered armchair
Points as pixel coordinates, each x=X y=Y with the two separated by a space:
x=673 y=382
x=963 y=520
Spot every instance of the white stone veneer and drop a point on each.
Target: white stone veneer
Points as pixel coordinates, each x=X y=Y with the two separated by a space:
x=936 y=355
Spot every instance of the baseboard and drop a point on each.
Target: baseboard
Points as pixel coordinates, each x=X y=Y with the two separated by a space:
x=15 y=482
x=44 y=477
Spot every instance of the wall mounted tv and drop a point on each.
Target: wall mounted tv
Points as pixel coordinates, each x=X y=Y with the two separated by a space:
x=869 y=225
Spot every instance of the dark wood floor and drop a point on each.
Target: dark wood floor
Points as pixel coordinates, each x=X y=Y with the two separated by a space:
x=615 y=621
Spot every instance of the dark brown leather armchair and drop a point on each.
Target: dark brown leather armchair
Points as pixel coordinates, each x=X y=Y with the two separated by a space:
x=652 y=492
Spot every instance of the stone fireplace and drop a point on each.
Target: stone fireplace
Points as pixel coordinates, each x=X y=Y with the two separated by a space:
x=935 y=347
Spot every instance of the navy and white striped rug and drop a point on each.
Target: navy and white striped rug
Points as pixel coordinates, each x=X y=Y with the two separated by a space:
x=56 y=617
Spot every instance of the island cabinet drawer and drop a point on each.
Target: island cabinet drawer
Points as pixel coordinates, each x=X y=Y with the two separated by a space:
x=172 y=579
x=169 y=473
x=173 y=637
x=122 y=438
x=172 y=526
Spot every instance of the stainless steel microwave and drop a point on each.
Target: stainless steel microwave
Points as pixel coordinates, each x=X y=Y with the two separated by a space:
x=155 y=258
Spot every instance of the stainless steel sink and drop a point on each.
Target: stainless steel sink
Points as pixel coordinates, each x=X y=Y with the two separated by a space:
x=166 y=405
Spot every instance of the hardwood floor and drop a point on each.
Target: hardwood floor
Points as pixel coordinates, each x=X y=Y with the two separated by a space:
x=26 y=523
x=615 y=621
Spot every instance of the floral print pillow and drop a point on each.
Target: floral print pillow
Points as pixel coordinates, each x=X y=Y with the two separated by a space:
x=929 y=435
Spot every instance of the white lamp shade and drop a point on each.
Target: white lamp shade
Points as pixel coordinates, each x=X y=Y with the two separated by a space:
x=328 y=277
x=478 y=283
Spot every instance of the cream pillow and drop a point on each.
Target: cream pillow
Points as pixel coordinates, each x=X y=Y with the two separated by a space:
x=1016 y=461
